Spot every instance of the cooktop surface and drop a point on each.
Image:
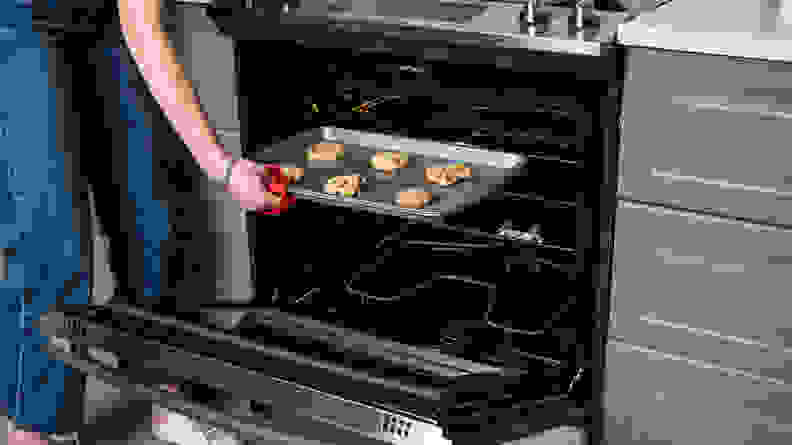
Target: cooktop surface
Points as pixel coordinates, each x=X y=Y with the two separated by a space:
x=554 y=27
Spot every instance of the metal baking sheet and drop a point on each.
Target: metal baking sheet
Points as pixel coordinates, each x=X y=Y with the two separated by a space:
x=491 y=169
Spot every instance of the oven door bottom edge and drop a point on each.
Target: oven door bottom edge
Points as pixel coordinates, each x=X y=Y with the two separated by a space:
x=290 y=403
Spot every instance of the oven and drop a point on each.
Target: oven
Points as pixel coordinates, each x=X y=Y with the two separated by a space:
x=482 y=320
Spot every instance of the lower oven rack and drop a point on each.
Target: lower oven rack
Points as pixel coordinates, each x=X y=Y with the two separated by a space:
x=436 y=269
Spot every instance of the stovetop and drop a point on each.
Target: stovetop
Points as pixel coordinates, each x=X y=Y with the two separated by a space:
x=504 y=23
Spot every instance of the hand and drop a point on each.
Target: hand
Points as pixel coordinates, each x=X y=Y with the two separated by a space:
x=249 y=185
x=161 y=419
x=25 y=438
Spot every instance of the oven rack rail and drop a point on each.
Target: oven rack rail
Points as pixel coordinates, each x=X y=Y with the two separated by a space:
x=558 y=149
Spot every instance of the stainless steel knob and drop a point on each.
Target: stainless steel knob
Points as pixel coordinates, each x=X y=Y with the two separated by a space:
x=584 y=14
x=580 y=6
x=528 y=13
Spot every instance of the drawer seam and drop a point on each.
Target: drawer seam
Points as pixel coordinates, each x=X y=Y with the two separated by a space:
x=653 y=321
x=700 y=364
x=653 y=207
x=735 y=109
x=673 y=175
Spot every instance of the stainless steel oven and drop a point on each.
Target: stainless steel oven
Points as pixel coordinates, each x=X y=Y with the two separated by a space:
x=478 y=320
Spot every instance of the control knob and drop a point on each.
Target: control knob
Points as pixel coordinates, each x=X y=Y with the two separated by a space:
x=528 y=13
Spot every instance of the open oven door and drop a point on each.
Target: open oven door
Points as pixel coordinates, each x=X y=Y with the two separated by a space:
x=308 y=377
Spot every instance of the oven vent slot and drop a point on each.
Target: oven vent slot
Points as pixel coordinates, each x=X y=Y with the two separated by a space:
x=75 y=328
x=396 y=426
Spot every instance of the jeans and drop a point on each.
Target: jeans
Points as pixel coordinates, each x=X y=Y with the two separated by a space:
x=41 y=238
x=46 y=263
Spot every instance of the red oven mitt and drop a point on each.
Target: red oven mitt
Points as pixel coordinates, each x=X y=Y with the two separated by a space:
x=277 y=185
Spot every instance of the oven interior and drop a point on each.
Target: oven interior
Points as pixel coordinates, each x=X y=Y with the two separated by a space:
x=498 y=283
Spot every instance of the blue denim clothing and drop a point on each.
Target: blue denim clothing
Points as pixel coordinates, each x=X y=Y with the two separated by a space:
x=36 y=223
x=151 y=218
x=36 y=216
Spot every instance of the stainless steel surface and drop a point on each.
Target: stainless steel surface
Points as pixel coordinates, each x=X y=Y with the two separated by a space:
x=429 y=148
x=491 y=169
x=497 y=22
x=529 y=13
x=195 y=2
x=705 y=287
x=676 y=399
x=722 y=145
x=760 y=29
x=229 y=133
x=579 y=9
x=61 y=343
x=299 y=409
x=290 y=400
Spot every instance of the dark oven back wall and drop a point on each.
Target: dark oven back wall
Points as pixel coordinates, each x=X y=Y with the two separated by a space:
x=482 y=105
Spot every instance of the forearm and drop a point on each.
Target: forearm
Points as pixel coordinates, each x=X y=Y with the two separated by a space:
x=145 y=36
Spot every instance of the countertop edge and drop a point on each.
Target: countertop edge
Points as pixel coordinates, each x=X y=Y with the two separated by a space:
x=655 y=30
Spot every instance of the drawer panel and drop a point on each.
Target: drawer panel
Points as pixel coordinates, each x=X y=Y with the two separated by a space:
x=652 y=397
x=665 y=74
x=699 y=154
x=712 y=288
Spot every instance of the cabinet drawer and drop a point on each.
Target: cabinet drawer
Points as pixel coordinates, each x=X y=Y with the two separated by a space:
x=665 y=74
x=713 y=288
x=708 y=140
x=737 y=163
x=656 y=398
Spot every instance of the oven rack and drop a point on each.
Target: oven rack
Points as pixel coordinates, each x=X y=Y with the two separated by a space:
x=545 y=145
x=360 y=285
x=368 y=298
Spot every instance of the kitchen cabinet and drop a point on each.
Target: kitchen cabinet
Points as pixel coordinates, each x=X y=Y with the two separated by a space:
x=671 y=73
x=708 y=133
x=715 y=288
x=655 y=398
x=702 y=253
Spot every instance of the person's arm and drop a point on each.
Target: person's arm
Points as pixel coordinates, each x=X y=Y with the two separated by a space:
x=148 y=42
